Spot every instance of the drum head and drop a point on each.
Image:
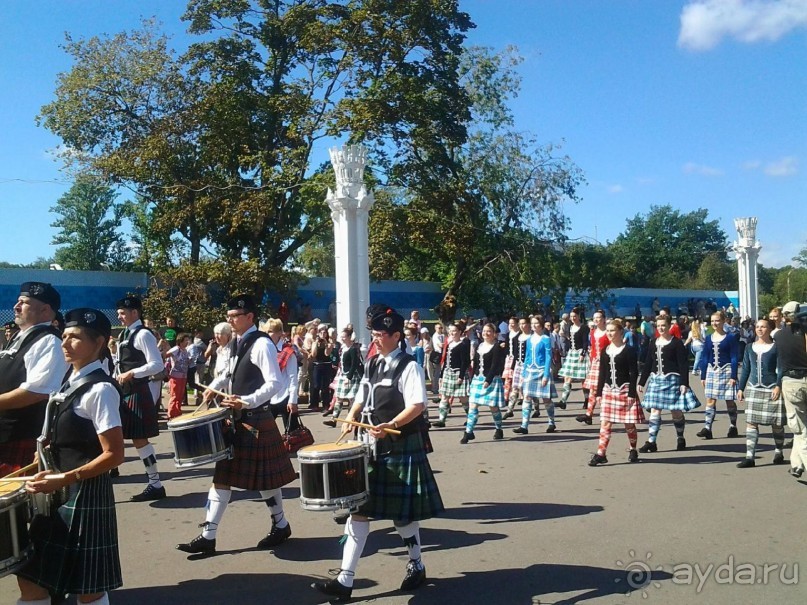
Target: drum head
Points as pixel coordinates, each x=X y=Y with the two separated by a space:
x=11 y=488
x=200 y=417
x=320 y=450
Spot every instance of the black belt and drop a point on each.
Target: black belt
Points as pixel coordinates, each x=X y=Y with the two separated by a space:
x=797 y=374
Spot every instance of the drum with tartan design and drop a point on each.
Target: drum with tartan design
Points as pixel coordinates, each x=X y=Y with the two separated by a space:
x=664 y=393
x=718 y=383
x=532 y=387
x=761 y=409
x=575 y=365
x=616 y=406
x=492 y=396
x=452 y=384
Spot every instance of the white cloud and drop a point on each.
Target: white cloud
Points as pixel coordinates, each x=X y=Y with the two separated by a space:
x=752 y=165
x=787 y=166
x=704 y=23
x=615 y=189
x=693 y=168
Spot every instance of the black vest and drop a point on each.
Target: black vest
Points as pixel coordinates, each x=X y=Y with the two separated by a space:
x=388 y=401
x=130 y=357
x=247 y=377
x=73 y=440
x=24 y=423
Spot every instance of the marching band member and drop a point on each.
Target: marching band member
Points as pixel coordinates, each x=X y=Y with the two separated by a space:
x=599 y=340
x=719 y=374
x=486 y=387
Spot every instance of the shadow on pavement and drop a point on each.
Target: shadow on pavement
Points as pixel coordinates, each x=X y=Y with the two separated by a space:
x=511 y=512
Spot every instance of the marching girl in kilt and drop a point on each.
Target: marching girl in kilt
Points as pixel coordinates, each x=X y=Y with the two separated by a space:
x=616 y=392
x=507 y=375
x=536 y=376
x=487 y=387
x=454 y=382
x=599 y=340
x=665 y=383
x=349 y=375
x=575 y=366
x=76 y=545
x=518 y=344
x=763 y=401
x=719 y=374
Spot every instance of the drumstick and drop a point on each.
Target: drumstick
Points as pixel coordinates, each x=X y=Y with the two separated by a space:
x=21 y=471
x=223 y=394
x=366 y=426
x=31 y=478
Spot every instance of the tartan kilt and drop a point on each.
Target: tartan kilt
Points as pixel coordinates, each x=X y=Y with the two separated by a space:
x=616 y=406
x=760 y=409
x=402 y=484
x=260 y=460
x=575 y=366
x=663 y=393
x=138 y=414
x=493 y=396
x=531 y=385
x=76 y=546
x=717 y=384
x=16 y=454
x=518 y=375
x=452 y=384
x=593 y=374
x=346 y=388
x=508 y=367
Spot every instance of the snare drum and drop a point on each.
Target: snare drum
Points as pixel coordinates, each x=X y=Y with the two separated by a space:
x=15 y=513
x=333 y=476
x=199 y=437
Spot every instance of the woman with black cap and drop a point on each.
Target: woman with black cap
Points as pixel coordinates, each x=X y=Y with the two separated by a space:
x=76 y=544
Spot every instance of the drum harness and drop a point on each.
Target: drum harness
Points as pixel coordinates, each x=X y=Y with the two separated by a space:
x=370 y=442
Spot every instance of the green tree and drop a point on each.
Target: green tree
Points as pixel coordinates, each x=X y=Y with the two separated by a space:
x=88 y=226
x=716 y=273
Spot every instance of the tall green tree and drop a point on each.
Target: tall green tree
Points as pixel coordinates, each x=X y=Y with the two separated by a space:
x=88 y=225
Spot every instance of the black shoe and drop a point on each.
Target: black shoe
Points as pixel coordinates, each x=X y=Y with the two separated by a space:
x=439 y=423
x=199 y=545
x=789 y=445
x=705 y=433
x=551 y=428
x=507 y=414
x=327 y=412
x=340 y=517
x=597 y=459
x=796 y=472
x=415 y=575
x=584 y=418
x=149 y=494
x=778 y=459
x=520 y=430
x=648 y=447
x=499 y=434
x=732 y=432
x=466 y=437
x=332 y=588
x=681 y=445
x=747 y=463
x=331 y=423
x=277 y=536
x=536 y=414
x=633 y=456
x=561 y=405
x=114 y=473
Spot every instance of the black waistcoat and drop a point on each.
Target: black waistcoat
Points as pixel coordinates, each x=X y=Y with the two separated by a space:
x=247 y=377
x=388 y=401
x=73 y=440
x=24 y=423
x=130 y=357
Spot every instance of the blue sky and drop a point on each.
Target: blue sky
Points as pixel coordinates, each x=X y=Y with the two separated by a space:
x=689 y=103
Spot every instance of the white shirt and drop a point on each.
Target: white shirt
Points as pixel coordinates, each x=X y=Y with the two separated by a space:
x=263 y=355
x=44 y=362
x=291 y=382
x=412 y=384
x=437 y=341
x=222 y=360
x=100 y=403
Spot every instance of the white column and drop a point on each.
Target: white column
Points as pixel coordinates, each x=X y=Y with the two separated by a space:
x=747 y=250
x=350 y=206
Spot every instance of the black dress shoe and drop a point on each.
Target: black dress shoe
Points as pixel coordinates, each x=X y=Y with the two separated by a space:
x=415 y=575
x=681 y=445
x=339 y=592
x=439 y=423
x=561 y=405
x=520 y=430
x=747 y=463
x=498 y=434
x=536 y=413
x=466 y=437
x=551 y=428
x=331 y=423
x=275 y=537
x=199 y=545
x=584 y=418
x=732 y=432
x=633 y=456
x=648 y=447
x=149 y=494
x=796 y=472
x=597 y=459
x=327 y=412
x=778 y=458
x=705 y=433
x=507 y=414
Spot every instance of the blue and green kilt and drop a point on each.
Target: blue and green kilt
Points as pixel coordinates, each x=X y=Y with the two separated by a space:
x=616 y=406
x=593 y=374
x=531 y=384
x=346 y=388
x=76 y=546
x=718 y=383
x=402 y=484
x=575 y=366
x=761 y=409
x=260 y=460
x=452 y=384
x=493 y=396
x=664 y=393
x=138 y=414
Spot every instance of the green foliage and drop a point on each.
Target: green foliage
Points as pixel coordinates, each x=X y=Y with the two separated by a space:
x=716 y=273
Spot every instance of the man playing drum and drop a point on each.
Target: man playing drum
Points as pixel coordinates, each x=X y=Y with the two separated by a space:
x=394 y=390
x=260 y=461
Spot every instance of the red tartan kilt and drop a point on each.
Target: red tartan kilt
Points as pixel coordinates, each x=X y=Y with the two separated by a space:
x=508 y=369
x=593 y=375
x=260 y=460
x=617 y=407
x=16 y=454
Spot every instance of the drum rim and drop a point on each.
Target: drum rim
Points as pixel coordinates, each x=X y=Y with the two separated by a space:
x=11 y=496
x=226 y=453
x=355 y=446
x=187 y=421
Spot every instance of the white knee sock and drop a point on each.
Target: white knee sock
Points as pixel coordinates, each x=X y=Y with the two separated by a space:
x=102 y=600
x=274 y=500
x=217 y=501
x=37 y=602
x=356 y=533
x=411 y=538
x=149 y=459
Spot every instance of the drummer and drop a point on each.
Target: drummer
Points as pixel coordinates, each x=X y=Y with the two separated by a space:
x=260 y=461
x=138 y=359
x=31 y=367
x=403 y=501
x=76 y=545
